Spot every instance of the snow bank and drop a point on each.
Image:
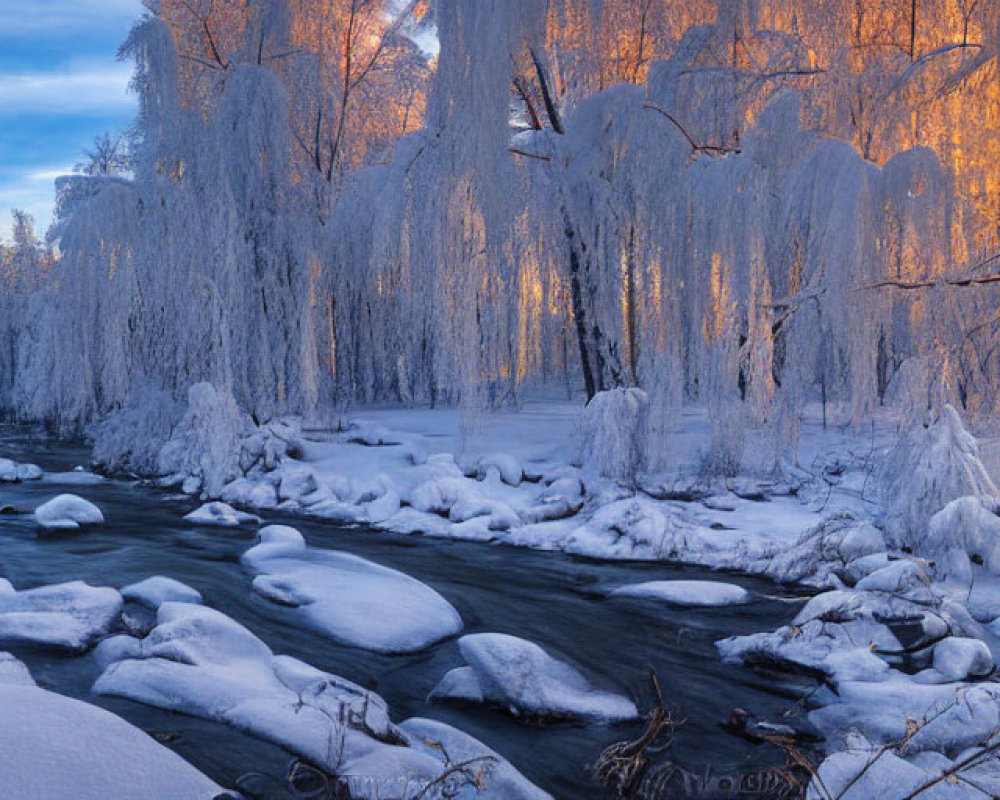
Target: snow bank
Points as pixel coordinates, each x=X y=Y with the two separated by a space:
x=53 y=747
x=349 y=598
x=221 y=514
x=686 y=593
x=67 y=512
x=157 y=590
x=521 y=676
x=68 y=616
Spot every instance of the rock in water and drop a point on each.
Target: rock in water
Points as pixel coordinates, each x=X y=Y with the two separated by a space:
x=349 y=598
x=67 y=512
x=686 y=593
x=520 y=675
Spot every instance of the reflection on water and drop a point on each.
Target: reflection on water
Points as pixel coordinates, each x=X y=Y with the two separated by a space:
x=552 y=599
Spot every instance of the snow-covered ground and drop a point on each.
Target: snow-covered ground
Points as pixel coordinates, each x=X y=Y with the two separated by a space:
x=895 y=532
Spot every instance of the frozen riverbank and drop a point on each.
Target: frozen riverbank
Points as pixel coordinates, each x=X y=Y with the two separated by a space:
x=562 y=604
x=897 y=639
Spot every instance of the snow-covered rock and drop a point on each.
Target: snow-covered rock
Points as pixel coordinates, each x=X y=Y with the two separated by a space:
x=686 y=593
x=250 y=492
x=221 y=514
x=522 y=677
x=157 y=590
x=501 y=780
x=349 y=598
x=13 y=472
x=969 y=526
x=67 y=512
x=54 y=747
x=14 y=672
x=200 y=662
x=68 y=616
x=958 y=658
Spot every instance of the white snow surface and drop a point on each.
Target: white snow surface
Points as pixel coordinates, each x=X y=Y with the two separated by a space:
x=221 y=514
x=14 y=472
x=199 y=661
x=521 y=676
x=157 y=590
x=68 y=616
x=54 y=747
x=67 y=512
x=686 y=593
x=349 y=598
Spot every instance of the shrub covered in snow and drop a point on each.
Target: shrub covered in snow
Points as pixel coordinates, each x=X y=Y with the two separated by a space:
x=611 y=434
x=130 y=439
x=206 y=441
x=927 y=469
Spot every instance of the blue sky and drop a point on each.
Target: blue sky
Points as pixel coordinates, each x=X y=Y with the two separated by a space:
x=60 y=86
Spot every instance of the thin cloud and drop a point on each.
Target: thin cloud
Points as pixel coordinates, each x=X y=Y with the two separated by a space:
x=47 y=16
x=71 y=92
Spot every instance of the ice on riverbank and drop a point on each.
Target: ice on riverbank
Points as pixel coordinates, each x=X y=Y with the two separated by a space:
x=520 y=676
x=67 y=512
x=68 y=616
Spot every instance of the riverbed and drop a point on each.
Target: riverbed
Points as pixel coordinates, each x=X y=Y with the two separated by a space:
x=553 y=599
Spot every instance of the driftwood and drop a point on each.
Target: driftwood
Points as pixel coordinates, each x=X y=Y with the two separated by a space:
x=621 y=767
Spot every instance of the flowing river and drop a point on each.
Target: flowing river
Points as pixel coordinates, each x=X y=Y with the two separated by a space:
x=553 y=599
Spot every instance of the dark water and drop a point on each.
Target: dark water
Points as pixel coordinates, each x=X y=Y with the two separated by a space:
x=552 y=599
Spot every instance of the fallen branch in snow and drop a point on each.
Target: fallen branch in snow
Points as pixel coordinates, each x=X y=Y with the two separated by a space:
x=472 y=772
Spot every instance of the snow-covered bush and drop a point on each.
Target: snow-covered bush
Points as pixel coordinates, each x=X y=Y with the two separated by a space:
x=130 y=439
x=611 y=435
x=206 y=441
x=928 y=468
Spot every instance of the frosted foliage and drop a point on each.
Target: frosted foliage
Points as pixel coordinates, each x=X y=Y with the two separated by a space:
x=206 y=441
x=612 y=433
x=928 y=468
x=130 y=439
x=695 y=237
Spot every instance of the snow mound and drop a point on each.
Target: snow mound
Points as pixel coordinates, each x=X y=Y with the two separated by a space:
x=13 y=672
x=221 y=514
x=502 y=780
x=349 y=598
x=13 y=472
x=926 y=470
x=852 y=635
x=67 y=512
x=199 y=661
x=968 y=526
x=54 y=747
x=68 y=616
x=157 y=590
x=958 y=658
x=686 y=593
x=521 y=676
